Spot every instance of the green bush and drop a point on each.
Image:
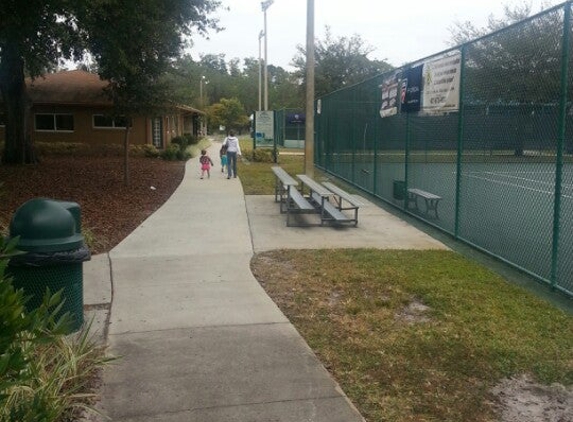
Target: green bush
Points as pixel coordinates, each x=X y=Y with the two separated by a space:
x=193 y=140
x=44 y=374
x=185 y=140
x=175 y=152
x=263 y=155
x=184 y=155
x=101 y=150
x=63 y=148
x=171 y=152
x=182 y=141
x=145 y=150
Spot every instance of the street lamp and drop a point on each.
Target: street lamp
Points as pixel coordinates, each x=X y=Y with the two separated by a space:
x=265 y=5
x=309 y=124
x=261 y=35
x=202 y=82
x=202 y=101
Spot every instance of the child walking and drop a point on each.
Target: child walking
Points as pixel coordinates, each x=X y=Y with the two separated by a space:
x=206 y=163
x=223 y=155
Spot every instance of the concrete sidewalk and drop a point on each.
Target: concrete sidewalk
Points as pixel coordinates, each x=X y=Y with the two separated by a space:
x=198 y=338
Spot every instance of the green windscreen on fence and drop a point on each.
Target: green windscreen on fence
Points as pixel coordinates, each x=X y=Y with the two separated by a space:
x=476 y=140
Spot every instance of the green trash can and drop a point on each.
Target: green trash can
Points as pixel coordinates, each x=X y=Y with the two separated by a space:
x=50 y=233
x=399 y=189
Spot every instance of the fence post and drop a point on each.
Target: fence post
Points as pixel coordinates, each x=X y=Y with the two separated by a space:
x=351 y=131
x=406 y=161
x=560 y=140
x=376 y=138
x=460 y=141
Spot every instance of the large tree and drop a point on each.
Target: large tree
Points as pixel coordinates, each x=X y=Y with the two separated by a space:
x=230 y=113
x=340 y=62
x=33 y=36
x=132 y=41
x=513 y=63
x=149 y=36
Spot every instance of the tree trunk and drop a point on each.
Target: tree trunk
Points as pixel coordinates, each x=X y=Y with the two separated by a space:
x=18 y=147
x=126 y=153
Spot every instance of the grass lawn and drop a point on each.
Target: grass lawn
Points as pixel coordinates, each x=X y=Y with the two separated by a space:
x=257 y=178
x=412 y=335
x=417 y=335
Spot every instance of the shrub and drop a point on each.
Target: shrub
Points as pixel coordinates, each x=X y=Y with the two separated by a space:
x=145 y=150
x=62 y=148
x=263 y=155
x=182 y=141
x=193 y=140
x=184 y=155
x=43 y=373
x=100 y=150
x=171 y=152
x=185 y=140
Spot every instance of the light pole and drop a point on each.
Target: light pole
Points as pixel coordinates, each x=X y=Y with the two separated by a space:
x=202 y=82
x=261 y=35
x=265 y=5
x=309 y=124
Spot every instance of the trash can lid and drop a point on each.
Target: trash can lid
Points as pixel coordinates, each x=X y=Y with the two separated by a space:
x=44 y=225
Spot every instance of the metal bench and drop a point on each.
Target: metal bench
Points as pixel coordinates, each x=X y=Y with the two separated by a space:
x=340 y=196
x=432 y=200
x=283 y=184
x=320 y=195
x=291 y=200
x=328 y=212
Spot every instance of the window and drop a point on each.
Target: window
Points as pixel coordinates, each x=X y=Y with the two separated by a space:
x=101 y=121
x=55 y=122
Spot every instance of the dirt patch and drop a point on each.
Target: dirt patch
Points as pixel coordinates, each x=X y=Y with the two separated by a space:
x=414 y=312
x=523 y=400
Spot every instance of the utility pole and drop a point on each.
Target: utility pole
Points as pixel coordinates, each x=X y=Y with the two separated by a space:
x=261 y=35
x=202 y=82
x=309 y=126
x=265 y=5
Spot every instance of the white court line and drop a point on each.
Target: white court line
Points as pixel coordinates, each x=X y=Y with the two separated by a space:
x=527 y=179
x=514 y=185
x=511 y=175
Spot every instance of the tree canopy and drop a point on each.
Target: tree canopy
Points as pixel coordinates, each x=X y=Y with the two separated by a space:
x=132 y=41
x=136 y=45
x=230 y=113
x=513 y=63
x=340 y=62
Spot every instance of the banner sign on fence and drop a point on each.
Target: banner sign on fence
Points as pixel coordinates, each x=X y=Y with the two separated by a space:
x=389 y=87
x=442 y=85
x=295 y=118
x=411 y=89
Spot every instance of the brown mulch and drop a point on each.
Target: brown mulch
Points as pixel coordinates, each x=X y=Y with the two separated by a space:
x=110 y=210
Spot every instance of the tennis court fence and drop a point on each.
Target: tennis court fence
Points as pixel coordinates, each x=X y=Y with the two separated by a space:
x=487 y=127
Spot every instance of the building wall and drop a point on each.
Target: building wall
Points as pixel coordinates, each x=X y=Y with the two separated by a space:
x=84 y=131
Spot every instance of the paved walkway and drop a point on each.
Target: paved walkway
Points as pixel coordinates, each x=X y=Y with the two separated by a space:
x=198 y=338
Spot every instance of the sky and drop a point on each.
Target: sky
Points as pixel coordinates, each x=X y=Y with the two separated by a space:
x=400 y=32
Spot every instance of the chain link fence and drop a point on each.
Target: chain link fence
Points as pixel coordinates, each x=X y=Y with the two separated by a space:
x=476 y=140
x=290 y=128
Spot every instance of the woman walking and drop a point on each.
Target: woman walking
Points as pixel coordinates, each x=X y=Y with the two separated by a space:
x=233 y=150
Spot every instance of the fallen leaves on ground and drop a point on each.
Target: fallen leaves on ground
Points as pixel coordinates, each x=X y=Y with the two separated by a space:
x=110 y=209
